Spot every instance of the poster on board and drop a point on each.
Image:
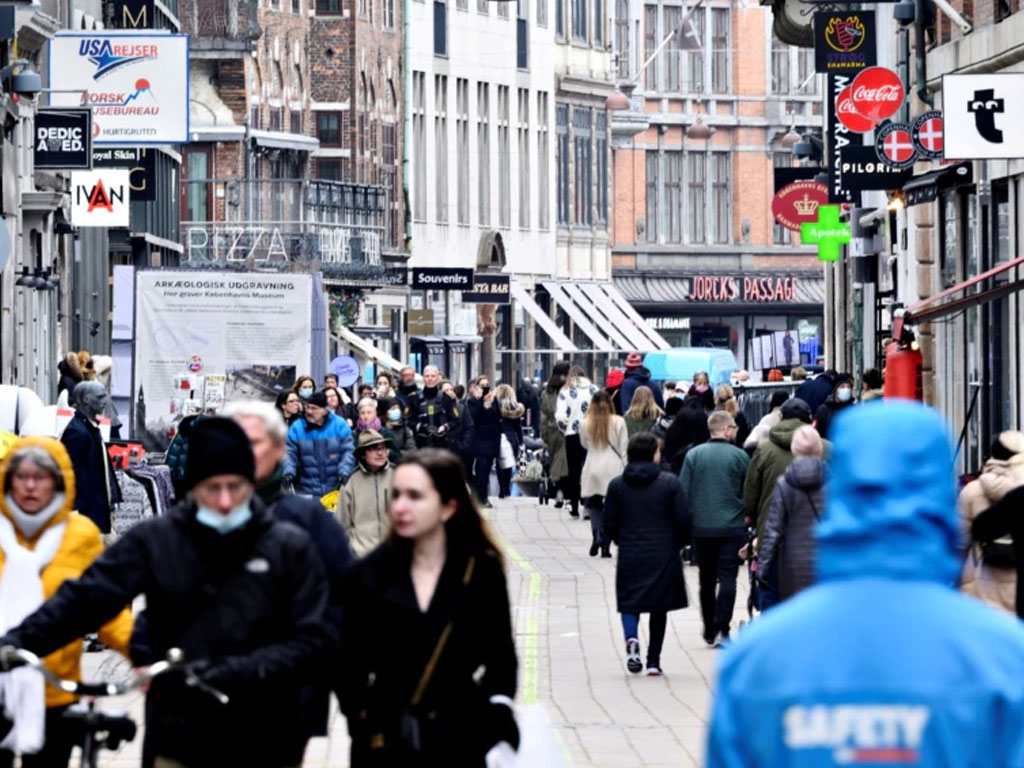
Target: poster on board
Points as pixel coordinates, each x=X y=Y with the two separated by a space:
x=254 y=329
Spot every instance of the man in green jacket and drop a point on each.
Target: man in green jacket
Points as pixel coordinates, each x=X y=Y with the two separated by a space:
x=770 y=461
x=712 y=479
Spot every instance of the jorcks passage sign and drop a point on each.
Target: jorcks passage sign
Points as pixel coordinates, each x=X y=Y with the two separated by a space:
x=136 y=84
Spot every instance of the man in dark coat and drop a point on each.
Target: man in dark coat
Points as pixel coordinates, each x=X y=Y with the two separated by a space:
x=528 y=396
x=408 y=395
x=637 y=376
x=243 y=595
x=815 y=391
x=486 y=442
x=438 y=419
x=647 y=517
x=96 y=488
x=840 y=399
x=688 y=428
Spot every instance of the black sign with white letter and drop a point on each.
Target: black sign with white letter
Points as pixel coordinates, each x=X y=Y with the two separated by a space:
x=844 y=41
x=839 y=136
x=863 y=171
x=134 y=14
x=786 y=176
x=140 y=161
x=442 y=279
x=488 y=289
x=63 y=138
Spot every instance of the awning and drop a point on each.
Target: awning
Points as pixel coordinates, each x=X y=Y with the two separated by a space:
x=605 y=316
x=934 y=307
x=283 y=140
x=926 y=187
x=599 y=339
x=606 y=292
x=201 y=133
x=605 y=323
x=367 y=350
x=434 y=345
x=459 y=343
x=548 y=325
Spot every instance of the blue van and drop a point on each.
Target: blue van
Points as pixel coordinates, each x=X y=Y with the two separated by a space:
x=681 y=363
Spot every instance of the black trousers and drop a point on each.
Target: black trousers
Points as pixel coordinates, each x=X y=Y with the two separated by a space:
x=718 y=562
x=575 y=456
x=482 y=476
x=61 y=736
x=595 y=506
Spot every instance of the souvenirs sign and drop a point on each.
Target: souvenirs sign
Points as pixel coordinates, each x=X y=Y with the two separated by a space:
x=844 y=41
x=797 y=203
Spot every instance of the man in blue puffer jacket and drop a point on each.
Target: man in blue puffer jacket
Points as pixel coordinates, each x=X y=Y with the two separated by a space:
x=882 y=662
x=320 y=450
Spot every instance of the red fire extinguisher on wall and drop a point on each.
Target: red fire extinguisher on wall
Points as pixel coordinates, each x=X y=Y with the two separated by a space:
x=903 y=369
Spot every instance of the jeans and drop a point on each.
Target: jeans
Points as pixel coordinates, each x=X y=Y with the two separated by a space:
x=61 y=736
x=718 y=562
x=482 y=476
x=657 y=626
x=768 y=588
x=575 y=456
x=595 y=506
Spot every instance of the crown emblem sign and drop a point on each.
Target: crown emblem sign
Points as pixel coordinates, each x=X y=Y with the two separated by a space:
x=806 y=207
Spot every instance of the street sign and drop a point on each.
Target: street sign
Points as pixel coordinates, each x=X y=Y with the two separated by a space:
x=141 y=165
x=100 y=198
x=442 y=278
x=895 y=146
x=863 y=171
x=828 y=233
x=488 y=289
x=926 y=133
x=983 y=115
x=849 y=116
x=844 y=41
x=877 y=93
x=63 y=138
x=798 y=203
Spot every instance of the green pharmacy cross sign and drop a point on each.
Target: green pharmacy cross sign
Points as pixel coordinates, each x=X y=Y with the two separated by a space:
x=828 y=233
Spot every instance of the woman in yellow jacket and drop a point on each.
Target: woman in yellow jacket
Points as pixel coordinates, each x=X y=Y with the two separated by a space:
x=42 y=544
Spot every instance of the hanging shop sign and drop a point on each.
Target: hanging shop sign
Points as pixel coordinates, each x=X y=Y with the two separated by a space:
x=863 y=171
x=848 y=114
x=877 y=93
x=926 y=133
x=983 y=115
x=136 y=84
x=346 y=368
x=488 y=289
x=844 y=41
x=838 y=137
x=100 y=198
x=728 y=288
x=63 y=138
x=442 y=279
x=894 y=145
x=134 y=14
x=396 y=276
x=828 y=233
x=141 y=165
x=785 y=176
x=797 y=203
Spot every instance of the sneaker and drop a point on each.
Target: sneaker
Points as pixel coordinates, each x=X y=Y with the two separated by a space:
x=721 y=640
x=633 y=663
x=710 y=639
x=654 y=671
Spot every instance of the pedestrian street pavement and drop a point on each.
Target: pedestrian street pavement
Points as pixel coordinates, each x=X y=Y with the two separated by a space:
x=571 y=656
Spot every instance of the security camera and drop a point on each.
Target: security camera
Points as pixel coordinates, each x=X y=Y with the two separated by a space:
x=904 y=12
x=26 y=82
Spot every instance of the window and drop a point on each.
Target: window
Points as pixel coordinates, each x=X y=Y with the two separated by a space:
x=482 y=6
x=503 y=9
x=328 y=7
x=295 y=121
x=328 y=170
x=562 y=161
x=523 y=129
x=808 y=84
x=695 y=59
x=462 y=5
x=542 y=13
x=792 y=70
x=276 y=119
x=483 y=148
x=522 y=34
x=419 y=143
x=583 y=180
x=389 y=180
x=440 y=28
x=560 y=19
x=601 y=164
x=650 y=46
x=543 y=216
x=462 y=143
x=579 y=20
x=672 y=56
x=782 y=235
x=504 y=161
x=720 y=50
x=622 y=37
x=696 y=204
x=780 y=82
x=441 y=146
x=363 y=12
x=673 y=196
x=297 y=6
x=651 y=195
x=598 y=24
x=387 y=14
x=328 y=128
x=720 y=198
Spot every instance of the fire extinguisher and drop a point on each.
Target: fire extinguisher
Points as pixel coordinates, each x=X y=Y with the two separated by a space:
x=903 y=371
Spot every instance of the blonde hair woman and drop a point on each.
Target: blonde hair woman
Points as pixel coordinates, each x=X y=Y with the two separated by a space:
x=511 y=412
x=725 y=400
x=604 y=436
x=643 y=411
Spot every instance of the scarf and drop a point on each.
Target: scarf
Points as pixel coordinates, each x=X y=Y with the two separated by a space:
x=22 y=691
x=362 y=426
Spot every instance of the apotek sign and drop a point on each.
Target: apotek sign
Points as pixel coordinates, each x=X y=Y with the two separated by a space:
x=137 y=85
x=100 y=198
x=63 y=138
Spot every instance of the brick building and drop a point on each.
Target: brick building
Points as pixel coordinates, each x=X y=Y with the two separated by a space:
x=695 y=246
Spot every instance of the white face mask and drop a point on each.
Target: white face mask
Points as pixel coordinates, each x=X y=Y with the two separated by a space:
x=222 y=524
x=394 y=415
x=844 y=395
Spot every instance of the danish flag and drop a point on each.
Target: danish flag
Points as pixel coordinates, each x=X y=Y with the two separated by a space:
x=930 y=134
x=899 y=147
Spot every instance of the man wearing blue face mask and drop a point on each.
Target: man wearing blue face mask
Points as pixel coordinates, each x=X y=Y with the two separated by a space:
x=840 y=399
x=243 y=595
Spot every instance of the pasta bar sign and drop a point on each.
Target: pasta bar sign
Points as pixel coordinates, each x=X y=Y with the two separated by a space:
x=488 y=289
x=729 y=289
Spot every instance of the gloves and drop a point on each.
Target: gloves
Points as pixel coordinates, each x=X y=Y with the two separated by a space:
x=501 y=725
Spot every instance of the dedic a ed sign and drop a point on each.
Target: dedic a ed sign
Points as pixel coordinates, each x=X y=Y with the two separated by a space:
x=63 y=138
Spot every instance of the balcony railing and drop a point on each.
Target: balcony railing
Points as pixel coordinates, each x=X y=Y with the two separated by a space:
x=339 y=225
x=221 y=24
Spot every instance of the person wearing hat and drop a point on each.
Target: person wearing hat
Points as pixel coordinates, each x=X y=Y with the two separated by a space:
x=613 y=384
x=241 y=594
x=771 y=459
x=363 y=502
x=319 y=456
x=636 y=376
x=840 y=399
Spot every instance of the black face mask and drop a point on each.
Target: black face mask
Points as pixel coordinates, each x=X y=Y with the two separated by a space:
x=485 y=390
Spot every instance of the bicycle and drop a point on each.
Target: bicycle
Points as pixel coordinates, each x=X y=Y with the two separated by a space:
x=105 y=730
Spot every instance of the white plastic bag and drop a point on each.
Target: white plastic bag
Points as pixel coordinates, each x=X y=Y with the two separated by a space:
x=506 y=458
x=538 y=747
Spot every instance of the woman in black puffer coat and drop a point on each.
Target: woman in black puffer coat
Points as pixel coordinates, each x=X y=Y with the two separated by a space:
x=797 y=505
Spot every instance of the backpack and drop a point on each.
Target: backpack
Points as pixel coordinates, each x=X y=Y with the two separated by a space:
x=660 y=428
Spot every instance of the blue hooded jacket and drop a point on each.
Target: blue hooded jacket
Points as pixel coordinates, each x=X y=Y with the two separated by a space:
x=882 y=663
x=318 y=457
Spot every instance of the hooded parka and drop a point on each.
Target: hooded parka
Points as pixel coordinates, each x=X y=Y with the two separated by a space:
x=766 y=467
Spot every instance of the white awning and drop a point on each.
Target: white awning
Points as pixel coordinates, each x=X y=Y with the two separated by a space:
x=367 y=350
x=549 y=326
x=601 y=341
x=284 y=140
x=610 y=322
x=606 y=294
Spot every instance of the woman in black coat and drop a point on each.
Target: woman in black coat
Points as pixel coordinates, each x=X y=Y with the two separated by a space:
x=688 y=428
x=647 y=517
x=435 y=590
x=486 y=443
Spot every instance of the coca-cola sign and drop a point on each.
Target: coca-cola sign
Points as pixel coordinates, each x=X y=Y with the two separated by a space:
x=877 y=93
x=848 y=115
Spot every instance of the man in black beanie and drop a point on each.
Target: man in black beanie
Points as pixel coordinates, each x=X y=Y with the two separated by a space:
x=244 y=597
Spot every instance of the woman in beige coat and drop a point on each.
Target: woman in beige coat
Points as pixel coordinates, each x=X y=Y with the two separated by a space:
x=1003 y=472
x=604 y=437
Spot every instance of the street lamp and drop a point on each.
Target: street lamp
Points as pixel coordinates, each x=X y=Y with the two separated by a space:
x=699 y=130
x=790 y=139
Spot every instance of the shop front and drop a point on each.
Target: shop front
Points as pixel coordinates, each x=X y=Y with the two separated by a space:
x=767 y=319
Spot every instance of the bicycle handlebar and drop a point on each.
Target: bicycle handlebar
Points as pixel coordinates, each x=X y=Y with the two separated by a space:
x=11 y=658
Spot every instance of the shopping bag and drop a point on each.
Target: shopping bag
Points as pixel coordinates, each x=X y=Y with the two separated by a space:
x=538 y=746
